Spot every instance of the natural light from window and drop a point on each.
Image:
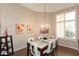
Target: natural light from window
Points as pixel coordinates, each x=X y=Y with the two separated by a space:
x=65 y=25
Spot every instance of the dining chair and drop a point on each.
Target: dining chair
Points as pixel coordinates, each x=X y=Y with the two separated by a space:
x=51 y=37
x=54 y=45
x=49 y=50
x=34 y=49
x=40 y=37
x=31 y=39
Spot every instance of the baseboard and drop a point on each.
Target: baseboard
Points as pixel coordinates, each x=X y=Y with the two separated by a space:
x=68 y=48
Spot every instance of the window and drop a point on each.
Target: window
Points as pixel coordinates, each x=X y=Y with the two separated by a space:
x=65 y=25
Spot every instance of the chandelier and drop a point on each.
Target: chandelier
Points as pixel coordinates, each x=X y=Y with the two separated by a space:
x=44 y=27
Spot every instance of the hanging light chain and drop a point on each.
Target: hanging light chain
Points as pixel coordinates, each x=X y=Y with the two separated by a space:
x=45 y=12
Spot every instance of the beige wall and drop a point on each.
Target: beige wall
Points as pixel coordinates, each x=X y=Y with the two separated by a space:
x=11 y=14
x=78 y=25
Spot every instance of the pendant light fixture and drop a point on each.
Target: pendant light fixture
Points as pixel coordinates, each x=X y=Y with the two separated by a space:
x=44 y=27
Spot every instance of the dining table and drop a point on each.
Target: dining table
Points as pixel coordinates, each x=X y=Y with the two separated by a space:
x=41 y=44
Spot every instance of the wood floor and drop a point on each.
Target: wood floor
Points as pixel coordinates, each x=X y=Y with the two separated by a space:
x=61 y=51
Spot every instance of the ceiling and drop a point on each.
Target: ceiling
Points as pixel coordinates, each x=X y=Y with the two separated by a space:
x=50 y=7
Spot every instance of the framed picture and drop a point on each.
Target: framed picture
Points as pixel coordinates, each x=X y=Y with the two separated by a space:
x=20 y=28
x=29 y=29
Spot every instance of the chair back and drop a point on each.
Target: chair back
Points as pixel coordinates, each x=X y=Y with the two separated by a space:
x=51 y=37
x=30 y=39
x=34 y=49
x=40 y=37
x=54 y=43
x=50 y=46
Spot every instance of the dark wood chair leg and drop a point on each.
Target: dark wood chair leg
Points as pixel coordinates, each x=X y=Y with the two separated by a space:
x=45 y=54
x=55 y=50
x=51 y=53
x=28 y=45
x=31 y=55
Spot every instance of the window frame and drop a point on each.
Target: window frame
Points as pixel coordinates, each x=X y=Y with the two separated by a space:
x=74 y=10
